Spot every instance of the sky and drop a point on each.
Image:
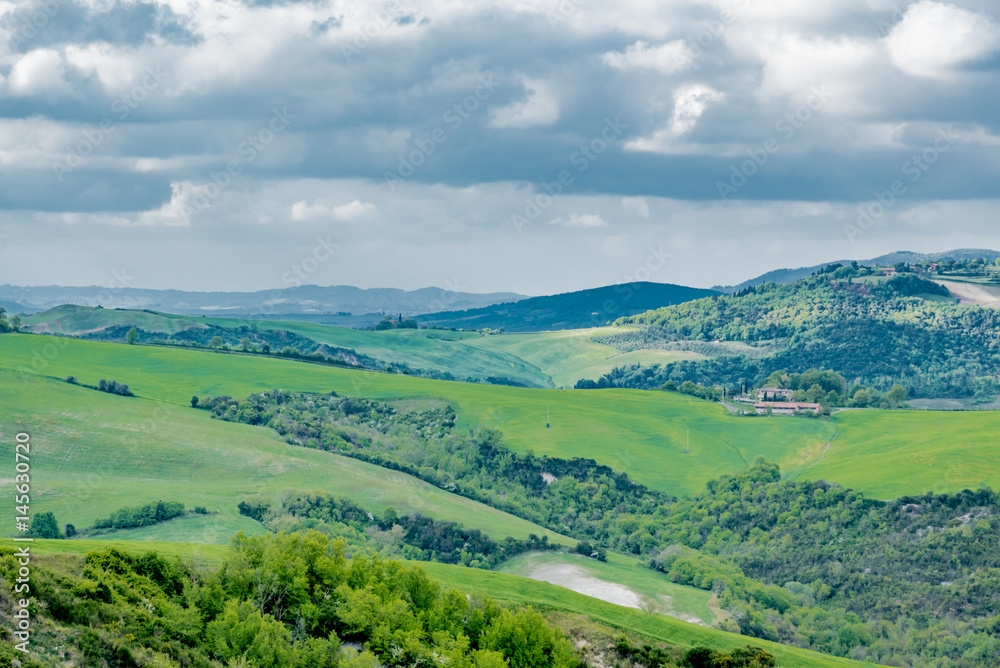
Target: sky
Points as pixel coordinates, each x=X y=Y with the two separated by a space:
x=505 y=145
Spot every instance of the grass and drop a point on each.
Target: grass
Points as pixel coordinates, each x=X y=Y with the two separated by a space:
x=542 y=595
x=200 y=553
x=569 y=355
x=641 y=433
x=542 y=359
x=888 y=454
x=883 y=453
x=93 y=453
x=676 y=600
x=509 y=589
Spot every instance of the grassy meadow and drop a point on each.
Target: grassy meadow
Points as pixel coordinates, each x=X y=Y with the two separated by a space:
x=539 y=359
x=93 y=453
x=644 y=434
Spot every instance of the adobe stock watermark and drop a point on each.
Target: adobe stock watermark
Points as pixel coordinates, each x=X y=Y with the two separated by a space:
x=246 y=153
x=372 y=28
x=582 y=158
x=786 y=127
x=711 y=31
x=34 y=24
x=562 y=12
x=914 y=168
x=427 y=144
x=122 y=107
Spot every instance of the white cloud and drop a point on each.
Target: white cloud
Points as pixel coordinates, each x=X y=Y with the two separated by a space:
x=39 y=72
x=690 y=103
x=667 y=58
x=185 y=199
x=580 y=220
x=541 y=108
x=933 y=39
x=637 y=204
x=302 y=210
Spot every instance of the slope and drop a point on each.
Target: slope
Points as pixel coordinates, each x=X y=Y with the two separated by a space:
x=94 y=453
x=570 y=310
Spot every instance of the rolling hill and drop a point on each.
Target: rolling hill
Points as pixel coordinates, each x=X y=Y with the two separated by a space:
x=536 y=359
x=640 y=433
x=338 y=302
x=888 y=260
x=571 y=310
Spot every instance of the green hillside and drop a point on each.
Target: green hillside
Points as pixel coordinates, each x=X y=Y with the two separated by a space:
x=570 y=310
x=518 y=590
x=513 y=590
x=640 y=433
x=94 y=453
x=540 y=359
x=873 y=331
x=621 y=580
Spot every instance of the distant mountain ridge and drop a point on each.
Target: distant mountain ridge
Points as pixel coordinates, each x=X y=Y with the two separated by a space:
x=792 y=275
x=303 y=300
x=594 y=307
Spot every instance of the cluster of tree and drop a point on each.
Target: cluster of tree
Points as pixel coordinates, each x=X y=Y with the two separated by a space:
x=566 y=495
x=11 y=325
x=588 y=549
x=277 y=601
x=876 y=334
x=411 y=536
x=114 y=387
x=388 y=323
x=141 y=516
x=741 y=657
x=976 y=267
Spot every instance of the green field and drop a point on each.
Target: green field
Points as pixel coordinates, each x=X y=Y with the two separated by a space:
x=510 y=589
x=891 y=453
x=542 y=359
x=641 y=433
x=636 y=586
x=199 y=553
x=93 y=453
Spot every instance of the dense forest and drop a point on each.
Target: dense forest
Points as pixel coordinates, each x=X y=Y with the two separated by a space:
x=911 y=582
x=876 y=333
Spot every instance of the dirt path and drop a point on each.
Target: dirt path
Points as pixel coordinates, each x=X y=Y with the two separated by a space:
x=970 y=293
x=577 y=579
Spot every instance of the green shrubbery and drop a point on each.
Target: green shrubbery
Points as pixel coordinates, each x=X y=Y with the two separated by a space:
x=285 y=601
x=141 y=516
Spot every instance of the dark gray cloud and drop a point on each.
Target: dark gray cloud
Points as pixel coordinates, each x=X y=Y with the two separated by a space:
x=427 y=101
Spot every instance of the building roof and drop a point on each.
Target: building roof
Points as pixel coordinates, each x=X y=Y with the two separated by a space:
x=802 y=405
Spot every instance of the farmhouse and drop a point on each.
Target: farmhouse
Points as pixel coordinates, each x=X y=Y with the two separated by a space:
x=786 y=407
x=774 y=394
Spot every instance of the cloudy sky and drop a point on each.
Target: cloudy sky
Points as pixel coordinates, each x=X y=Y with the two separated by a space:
x=530 y=146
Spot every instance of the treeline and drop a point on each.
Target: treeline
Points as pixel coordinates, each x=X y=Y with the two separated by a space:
x=875 y=334
x=9 y=325
x=565 y=495
x=277 y=601
x=409 y=536
x=141 y=516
